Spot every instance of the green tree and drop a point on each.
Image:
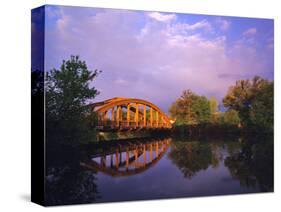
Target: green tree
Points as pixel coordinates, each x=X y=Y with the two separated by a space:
x=201 y=107
x=261 y=112
x=215 y=114
x=238 y=98
x=213 y=105
x=190 y=109
x=181 y=109
x=231 y=117
x=248 y=97
x=67 y=92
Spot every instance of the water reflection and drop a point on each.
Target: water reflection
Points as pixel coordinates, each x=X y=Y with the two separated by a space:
x=248 y=160
x=128 y=158
x=66 y=181
x=160 y=168
x=253 y=164
x=192 y=156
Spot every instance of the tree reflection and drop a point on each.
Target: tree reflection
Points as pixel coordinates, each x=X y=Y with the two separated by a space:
x=67 y=182
x=253 y=164
x=193 y=156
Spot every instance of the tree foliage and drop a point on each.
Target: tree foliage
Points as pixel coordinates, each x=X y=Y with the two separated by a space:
x=261 y=113
x=253 y=100
x=231 y=117
x=214 y=110
x=190 y=109
x=67 y=92
x=213 y=105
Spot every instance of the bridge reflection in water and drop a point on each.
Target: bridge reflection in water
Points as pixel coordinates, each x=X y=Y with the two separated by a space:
x=128 y=158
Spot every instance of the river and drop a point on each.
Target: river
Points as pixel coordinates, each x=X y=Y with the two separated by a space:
x=143 y=169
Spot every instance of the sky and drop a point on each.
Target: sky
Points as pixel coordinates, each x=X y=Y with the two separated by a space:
x=156 y=55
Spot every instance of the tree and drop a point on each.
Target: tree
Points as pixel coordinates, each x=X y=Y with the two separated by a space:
x=238 y=98
x=201 y=107
x=181 y=109
x=213 y=105
x=247 y=96
x=261 y=112
x=67 y=92
x=190 y=109
x=231 y=117
x=215 y=114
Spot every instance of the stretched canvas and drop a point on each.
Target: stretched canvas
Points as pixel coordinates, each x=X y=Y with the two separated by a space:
x=138 y=105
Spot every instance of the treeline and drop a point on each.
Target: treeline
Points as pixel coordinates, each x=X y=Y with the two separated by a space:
x=247 y=106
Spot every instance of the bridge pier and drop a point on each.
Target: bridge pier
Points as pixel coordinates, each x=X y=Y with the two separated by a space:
x=157 y=118
x=137 y=115
x=128 y=115
x=151 y=116
x=144 y=115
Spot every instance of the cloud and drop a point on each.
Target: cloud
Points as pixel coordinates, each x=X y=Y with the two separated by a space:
x=187 y=28
x=250 y=32
x=162 y=17
x=223 y=24
x=146 y=55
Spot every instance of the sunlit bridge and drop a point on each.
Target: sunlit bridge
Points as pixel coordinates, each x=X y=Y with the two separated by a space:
x=128 y=158
x=129 y=113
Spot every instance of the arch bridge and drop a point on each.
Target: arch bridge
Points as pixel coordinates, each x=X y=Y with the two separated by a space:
x=129 y=113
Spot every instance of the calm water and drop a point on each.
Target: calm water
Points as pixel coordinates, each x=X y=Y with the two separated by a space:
x=162 y=168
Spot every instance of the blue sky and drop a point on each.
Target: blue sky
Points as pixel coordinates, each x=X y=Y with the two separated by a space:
x=155 y=55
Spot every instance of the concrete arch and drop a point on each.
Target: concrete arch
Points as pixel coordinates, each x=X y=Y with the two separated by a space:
x=111 y=113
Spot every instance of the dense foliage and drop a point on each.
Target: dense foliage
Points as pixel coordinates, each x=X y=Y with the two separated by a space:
x=253 y=100
x=231 y=117
x=190 y=109
x=67 y=94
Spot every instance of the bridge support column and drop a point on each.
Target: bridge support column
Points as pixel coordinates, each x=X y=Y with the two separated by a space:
x=144 y=115
x=151 y=117
x=118 y=116
x=121 y=116
x=140 y=118
x=127 y=158
x=156 y=149
x=144 y=154
x=112 y=117
x=128 y=115
x=104 y=118
x=157 y=118
x=162 y=122
x=137 y=115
